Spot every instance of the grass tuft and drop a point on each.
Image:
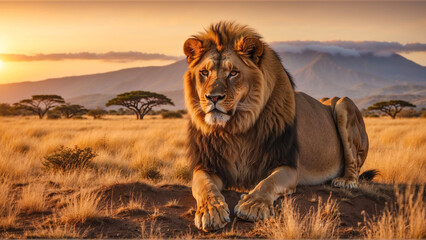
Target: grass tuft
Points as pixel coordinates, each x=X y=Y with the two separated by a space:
x=81 y=208
x=33 y=199
x=319 y=223
x=405 y=220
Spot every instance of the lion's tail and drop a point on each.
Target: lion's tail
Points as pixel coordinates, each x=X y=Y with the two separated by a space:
x=369 y=175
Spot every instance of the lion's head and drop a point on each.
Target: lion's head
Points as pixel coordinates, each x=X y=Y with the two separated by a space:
x=226 y=85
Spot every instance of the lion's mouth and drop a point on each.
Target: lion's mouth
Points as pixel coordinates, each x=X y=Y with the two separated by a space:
x=215 y=110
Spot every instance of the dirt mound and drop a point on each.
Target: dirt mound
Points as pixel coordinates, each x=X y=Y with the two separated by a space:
x=170 y=209
x=135 y=210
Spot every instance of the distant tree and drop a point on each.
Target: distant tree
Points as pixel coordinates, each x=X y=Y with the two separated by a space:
x=40 y=104
x=5 y=109
x=140 y=102
x=112 y=112
x=391 y=108
x=96 y=113
x=71 y=110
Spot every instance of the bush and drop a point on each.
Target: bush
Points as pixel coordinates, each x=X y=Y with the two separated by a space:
x=171 y=114
x=150 y=172
x=408 y=113
x=65 y=159
x=96 y=113
x=53 y=115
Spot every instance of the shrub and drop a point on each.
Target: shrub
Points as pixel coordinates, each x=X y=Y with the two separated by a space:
x=64 y=159
x=171 y=114
x=150 y=172
x=408 y=113
x=53 y=115
x=96 y=113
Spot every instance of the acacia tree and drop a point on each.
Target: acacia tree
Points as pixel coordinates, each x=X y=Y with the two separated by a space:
x=140 y=102
x=40 y=104
x=391 y=108
x=70 y=110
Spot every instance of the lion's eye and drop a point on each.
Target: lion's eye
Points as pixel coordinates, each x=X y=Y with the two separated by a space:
x=233 y=73
x=205 y=73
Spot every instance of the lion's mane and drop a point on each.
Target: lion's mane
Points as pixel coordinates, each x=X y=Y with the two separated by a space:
x=258 y=138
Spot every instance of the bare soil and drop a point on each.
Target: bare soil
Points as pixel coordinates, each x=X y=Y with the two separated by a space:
x=177 y=220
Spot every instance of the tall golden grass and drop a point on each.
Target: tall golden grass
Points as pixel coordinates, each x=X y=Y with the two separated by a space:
x=405 y=220
x=127 y=150
x=153 y=150
x=397 y=149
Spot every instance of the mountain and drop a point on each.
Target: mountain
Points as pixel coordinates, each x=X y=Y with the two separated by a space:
x=323 y=74
x=159 y=78
x=365 y=78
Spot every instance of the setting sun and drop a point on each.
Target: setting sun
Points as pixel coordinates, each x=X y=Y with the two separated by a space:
x=1 y=64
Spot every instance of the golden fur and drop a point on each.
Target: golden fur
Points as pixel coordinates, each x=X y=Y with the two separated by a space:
x=250 y=130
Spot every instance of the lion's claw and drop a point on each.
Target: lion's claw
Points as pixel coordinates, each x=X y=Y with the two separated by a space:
x=253 y=208
x=212 y=214
x=343 y=182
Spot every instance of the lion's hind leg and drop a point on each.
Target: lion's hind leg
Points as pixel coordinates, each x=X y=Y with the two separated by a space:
x=354 y=138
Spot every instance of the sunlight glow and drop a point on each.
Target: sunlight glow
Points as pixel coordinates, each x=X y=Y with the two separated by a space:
x=1 y=63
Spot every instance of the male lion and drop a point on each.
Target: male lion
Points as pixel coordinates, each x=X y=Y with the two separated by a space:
x=250 y=130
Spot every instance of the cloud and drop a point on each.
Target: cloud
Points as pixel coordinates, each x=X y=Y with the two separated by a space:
x=348 y=48
x=108 y=56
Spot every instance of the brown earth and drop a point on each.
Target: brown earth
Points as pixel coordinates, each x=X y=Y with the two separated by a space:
x=177 y=220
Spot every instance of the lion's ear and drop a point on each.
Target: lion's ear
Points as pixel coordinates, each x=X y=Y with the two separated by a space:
x=192 y=48
x=252 y=47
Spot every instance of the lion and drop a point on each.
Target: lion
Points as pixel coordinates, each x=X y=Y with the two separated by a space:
x=250 y=130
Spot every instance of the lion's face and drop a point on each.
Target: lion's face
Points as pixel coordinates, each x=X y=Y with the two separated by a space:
x=222 y=82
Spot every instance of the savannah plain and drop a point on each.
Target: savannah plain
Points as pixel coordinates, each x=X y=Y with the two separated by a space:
x=138 y=185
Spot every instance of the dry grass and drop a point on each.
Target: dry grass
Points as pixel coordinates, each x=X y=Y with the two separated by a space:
x=81 y=208
x=318 y=223
x=156 y=214
x=154 y=231
x=33 y=199
x=397 y=149
x=134 y=204
x=153 y=150
x=7 y=211
x=127 y=149
x=173 y=204
x=406 y=220
x=55 y=229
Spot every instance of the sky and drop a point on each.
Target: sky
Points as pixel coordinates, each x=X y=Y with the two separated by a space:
x=45 y=39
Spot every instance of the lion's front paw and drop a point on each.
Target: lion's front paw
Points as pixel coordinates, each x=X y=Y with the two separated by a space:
x=212 y=214
x=254 y=207
x=342 y=182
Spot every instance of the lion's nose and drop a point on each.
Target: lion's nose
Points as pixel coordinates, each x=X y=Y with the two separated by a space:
x=215 y=98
